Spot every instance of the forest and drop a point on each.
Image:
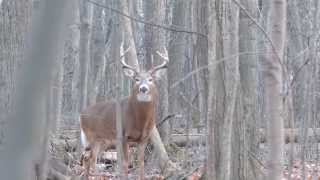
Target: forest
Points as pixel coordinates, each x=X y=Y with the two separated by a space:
x=159 y=89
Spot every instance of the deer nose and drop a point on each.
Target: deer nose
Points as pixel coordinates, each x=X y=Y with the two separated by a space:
x=143 y=89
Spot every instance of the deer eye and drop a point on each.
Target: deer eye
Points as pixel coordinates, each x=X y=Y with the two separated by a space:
x=150 y=79
x=137 y=79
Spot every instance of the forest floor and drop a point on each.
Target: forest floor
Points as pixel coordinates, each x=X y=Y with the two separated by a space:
x=301 y=162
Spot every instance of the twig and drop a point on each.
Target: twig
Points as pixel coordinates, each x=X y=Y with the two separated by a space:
x=295 y=75
x=190 y=173
x=256 y=158
x=274 y=49
x=165 y=119
x=212 y=64
x=146 y=22
x=188 y=102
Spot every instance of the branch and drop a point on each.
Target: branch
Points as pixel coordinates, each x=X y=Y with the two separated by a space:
x=218 y=61
x=306 y=50
x=259 y=27
x=146 y=22
x=165 y=119
x=295 y=75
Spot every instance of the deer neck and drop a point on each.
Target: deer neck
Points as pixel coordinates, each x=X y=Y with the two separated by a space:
x=143 y=111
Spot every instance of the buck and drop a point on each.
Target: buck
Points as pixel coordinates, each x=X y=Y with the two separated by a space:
x=98 y=122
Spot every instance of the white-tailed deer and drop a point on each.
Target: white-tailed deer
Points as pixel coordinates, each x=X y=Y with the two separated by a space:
x=98 y=122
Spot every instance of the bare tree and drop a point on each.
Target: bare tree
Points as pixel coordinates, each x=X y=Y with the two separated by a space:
x=14 y=23
x=27 y=121
x=212 y=30
x=155 y=41
x=226 y=84
x=86 y=10
x=177 y=54
x=273 y=87
x=246 y=124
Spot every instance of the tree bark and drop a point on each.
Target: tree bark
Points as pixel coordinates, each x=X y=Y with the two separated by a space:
x=155 y=41
x=212 y=37
x=27 y=122
x=98 y=50
x=273 y=87
x=225 y=85
x=201 y=50
x=246 y=124
x=14 y=22
x=70 y=104
x=86 y=10
x=177 y=55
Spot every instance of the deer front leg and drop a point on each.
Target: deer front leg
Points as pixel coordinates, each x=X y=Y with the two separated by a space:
x=94 y=157
x=141 y=149
x=125 y=159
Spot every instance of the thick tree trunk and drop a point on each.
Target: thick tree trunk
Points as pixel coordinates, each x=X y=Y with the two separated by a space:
x=201 y=50
x=273 y=87
x=27 y=123
x=98 y=50
x=155 y=41
x=246 y=140
x=225 y=86
x=86 y=10
x=70 y=106
x=14 y=24
x=212 y=36
x=177 y=55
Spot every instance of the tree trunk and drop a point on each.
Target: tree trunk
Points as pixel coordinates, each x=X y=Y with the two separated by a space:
x=155 y=41
x=177 y=55
x=226 y=85
x=14 y=24
x=98 y=50
x=70 y=106
x=212 y=36
x=273 y=87
x=86 y=10
x=246 y=141
x=27 y=122
x=201 y=50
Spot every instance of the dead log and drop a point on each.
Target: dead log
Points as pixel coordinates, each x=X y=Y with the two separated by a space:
x=291 y=135
x=294 y=135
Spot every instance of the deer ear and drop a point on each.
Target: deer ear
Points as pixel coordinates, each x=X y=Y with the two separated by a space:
x=158 y=74
x=129 y=72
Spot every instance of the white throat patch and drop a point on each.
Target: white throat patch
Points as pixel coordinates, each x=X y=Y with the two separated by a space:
x=143 y=97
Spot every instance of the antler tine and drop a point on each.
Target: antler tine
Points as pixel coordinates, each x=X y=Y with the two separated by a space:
x=122 y=60
x=165 y=62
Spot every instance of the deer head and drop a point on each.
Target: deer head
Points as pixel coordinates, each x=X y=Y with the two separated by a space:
x=144 y=86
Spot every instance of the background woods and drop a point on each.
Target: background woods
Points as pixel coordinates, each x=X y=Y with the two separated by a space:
x=239 y=100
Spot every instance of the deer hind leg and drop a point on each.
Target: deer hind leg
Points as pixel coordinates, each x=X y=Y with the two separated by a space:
x=141 y=149
x=89 y=158
x=85 y=161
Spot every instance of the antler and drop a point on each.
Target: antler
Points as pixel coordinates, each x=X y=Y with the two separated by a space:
x=124 y=64
x=164 y=63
